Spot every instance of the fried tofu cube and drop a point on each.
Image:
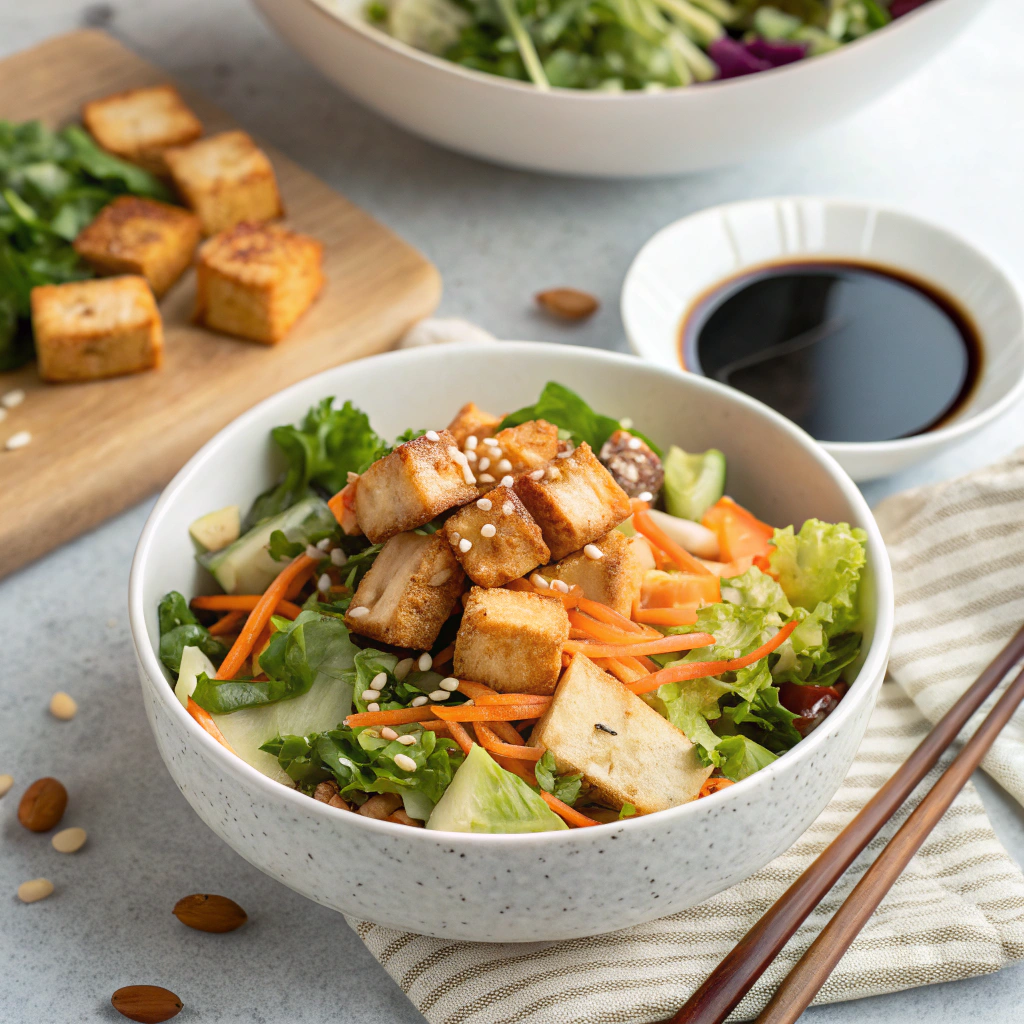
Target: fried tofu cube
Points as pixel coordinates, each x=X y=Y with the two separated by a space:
x=574 y=500
x=408 y=593
x=511 y=640
x=141 y=124
x=85 y=330
x=226 y=179
x=625 y=750
x=140 y=236
x=496 y=539
x=609 y=571
x=416 y=482
x=256 y=280
x=526 y=447
x=472 y=420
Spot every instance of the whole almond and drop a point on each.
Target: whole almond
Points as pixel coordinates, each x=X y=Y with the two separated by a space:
x=209 y=913
x=147 y=1004
x=42 y=805
x=568 y=303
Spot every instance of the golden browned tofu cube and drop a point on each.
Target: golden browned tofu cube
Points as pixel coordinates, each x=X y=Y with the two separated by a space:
x=625 y=750
x=226 y=179
x=608 y=570
x=141 y=236
x=408 y=593
x=416 y=482
x=575 y=500
x=90 y=329
x=256 y=280
x=511 y=640
x=529 y=446
x=472 y=421
x=496 y=539
x=139 y=125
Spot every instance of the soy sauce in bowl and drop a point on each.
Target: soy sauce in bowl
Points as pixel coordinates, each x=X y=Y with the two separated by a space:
x=849 y=351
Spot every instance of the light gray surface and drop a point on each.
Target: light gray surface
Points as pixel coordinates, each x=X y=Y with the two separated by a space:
x=948 y=144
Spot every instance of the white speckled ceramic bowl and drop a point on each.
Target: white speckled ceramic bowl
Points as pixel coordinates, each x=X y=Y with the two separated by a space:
x=546 y=886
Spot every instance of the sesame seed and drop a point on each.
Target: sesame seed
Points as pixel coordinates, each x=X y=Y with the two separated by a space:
x=418 y=702
x=565 y=454
x=508 y=508
x=379 y=681
x=486 y=478
x=439 y=578
x=439 y=695
x=370 y=694
x=633 y=443
x=484 y=463
x=504 y=466
x=488 y=530
x=425 y=662
x=13 y=398
x=471 y=455
x=560 y=585
x=456 y=536
x=471 y=442
x=553 y=472
x=467 y=474
x=454 y=452
x=496 y=452
x=507 y=481
x=351 y=477
x=18 y=440
x=432 y=435
x=403 y=668
x=373 y=707
x=407 y=740
x=490 y=442
x=388 y=733
x=313 y=552
x=405 y=762
x=325 y=544
x=359 y=612
x=539 y=581
x=323 y=584
x=338 y=557
x=626 y=422
x=644 y=496
x=484 y=504
x=465 y=545
x=449 y=683
x=594 y=552
x=537 y=474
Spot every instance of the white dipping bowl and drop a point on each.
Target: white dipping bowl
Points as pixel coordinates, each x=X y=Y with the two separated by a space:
x=689 y=257
x=520 y=888
x=598 y=134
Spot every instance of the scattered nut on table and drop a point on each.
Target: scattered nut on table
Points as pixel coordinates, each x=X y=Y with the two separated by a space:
x=69 y=840
x=207 y=912
x=6 y=781
x=63 y=706
x=42 y=805
x=567 y=303
x=35 y=889
x=147 y=1004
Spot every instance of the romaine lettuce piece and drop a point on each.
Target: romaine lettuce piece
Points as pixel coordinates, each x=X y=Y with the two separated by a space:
x=179 y=629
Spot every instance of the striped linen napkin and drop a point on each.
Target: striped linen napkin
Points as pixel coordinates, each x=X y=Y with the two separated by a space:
x=958 y=910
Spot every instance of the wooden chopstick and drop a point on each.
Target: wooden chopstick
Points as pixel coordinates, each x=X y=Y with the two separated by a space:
x=801 y=985
x=730 y=981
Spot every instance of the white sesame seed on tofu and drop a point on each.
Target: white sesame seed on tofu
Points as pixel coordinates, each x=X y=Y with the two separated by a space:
x=633 y=443
x=407 y=739
x=471 y=455
x=565 y=454
x=373 y=707
x=370 y=695
x=313 y=552
x=560 y=585
x=379 y=681
x=507 y=481
x=418 y=702
x=508 y=508
x=594 y=552
x=449 y=683
x=325 y=544
x=425 y=662
x=537 y=474
x=465 y=545
x=358 y=612
x=496 y=452
x=486 y=478
x=388 y=733
x=484 y=504
x=338 y=557
x=405 y=762
x=488 y=530
x=432 y=435
x=484 y=464
x=490 y=442
x=471 y=442
x=644 y=496
x=439 y=695
x=504 y=466
x=13 y=398
x=18 y=440
x=324 y=583
x=539 y=581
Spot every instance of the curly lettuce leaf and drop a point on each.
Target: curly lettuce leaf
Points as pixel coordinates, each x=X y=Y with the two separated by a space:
x=179 y=629
x=564 y=787
x=740 y=757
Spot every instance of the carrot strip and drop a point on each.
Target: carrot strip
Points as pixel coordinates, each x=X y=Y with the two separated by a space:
x=714 y=786
x=242 y=603
x=490 y=741
x=623 y=673
x=666 y=645
x=609 y=634
x=474 y=690
x=580 y=634
x=205 y=719
x=685 y=616
x=524 y=769
x=444 y=656
x=303 y=565
x=485 y=699
x=603 y=613
x=568 y=814
x=399 y=716
x=566 y=660
x=644 y=665
x=656 y=535
x=475 y=713
x=461 y=736
x=506 y=731
x=227 y=624
x=681 y=670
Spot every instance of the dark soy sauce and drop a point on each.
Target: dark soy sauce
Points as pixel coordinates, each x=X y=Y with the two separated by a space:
x=849 y=351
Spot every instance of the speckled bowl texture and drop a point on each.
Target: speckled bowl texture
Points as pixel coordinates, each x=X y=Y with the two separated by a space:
x=545 y=886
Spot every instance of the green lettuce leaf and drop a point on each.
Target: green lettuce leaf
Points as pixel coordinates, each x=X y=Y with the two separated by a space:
x=179 y=629
x=740 y=757
x=565 y=787
x=756 y=589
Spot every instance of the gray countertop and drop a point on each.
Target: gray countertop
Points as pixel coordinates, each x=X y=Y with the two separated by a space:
x=948 y=144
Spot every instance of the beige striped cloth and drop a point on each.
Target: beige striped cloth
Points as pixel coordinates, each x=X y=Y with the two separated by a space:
x=958 y=911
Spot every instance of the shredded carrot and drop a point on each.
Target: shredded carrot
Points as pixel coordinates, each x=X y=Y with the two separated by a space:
x=713 y=786
x=460 y=735
x=680 y=557
x=490 y=741
x=524 y=769
x=568 y=814
x=342 y=506
x=444 y=656
x=623 y=673
x=301 y=566
x=570 y=600
x=227 y=623
x=242 y=603
x=491 y=713
x=740 y=533
x=681 y=670
x=666 y=645
x=579 y=634
x=399 y=716
x=684 y=616
x=484 y=699
x=596 y=630
x=566 y=660
x=603 y=613
x=205 y=719
x=506 y=731
x=644 y=665
x=474 y=690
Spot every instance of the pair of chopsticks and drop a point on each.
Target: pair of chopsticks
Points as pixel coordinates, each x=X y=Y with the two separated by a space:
x=719 y=995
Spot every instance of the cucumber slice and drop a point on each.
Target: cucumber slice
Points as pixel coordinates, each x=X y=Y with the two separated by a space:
x=246 y=567
x=693 y=483
x=216 y=530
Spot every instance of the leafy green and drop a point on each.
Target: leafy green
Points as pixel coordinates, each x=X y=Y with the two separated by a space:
x=179 y=629
x=765 y=719
x=756 y=589
x=627 y=811
x=52 y=184
x=565 y=787
x=693 y=482
x=740 y=757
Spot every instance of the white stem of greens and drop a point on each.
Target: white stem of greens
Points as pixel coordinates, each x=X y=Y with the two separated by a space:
x=700 y=64
x=720 y=9
x=527 y=50
x=704 y=29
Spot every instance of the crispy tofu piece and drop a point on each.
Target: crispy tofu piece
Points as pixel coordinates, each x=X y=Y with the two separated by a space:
x=85 y=330
x=416 y=482
x=409 y=592
x=141 y=236
x=511 y=640
x=575 y=501
x=514 y=547
x=256 y=280
x=141 y=124
x=472 y=420
x=226 y=179
x=625 y=750
x=528 y=446
x=613 y=579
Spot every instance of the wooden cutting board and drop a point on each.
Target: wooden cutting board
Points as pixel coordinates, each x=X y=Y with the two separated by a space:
x=100 y=447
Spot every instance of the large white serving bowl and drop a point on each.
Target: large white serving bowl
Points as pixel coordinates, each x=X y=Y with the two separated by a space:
x=552 y=885
x=637 y=134
x=682 y=262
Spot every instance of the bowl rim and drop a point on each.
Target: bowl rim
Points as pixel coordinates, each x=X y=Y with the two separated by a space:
x=386 y=42
x=997 y=271
x=152 y=671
